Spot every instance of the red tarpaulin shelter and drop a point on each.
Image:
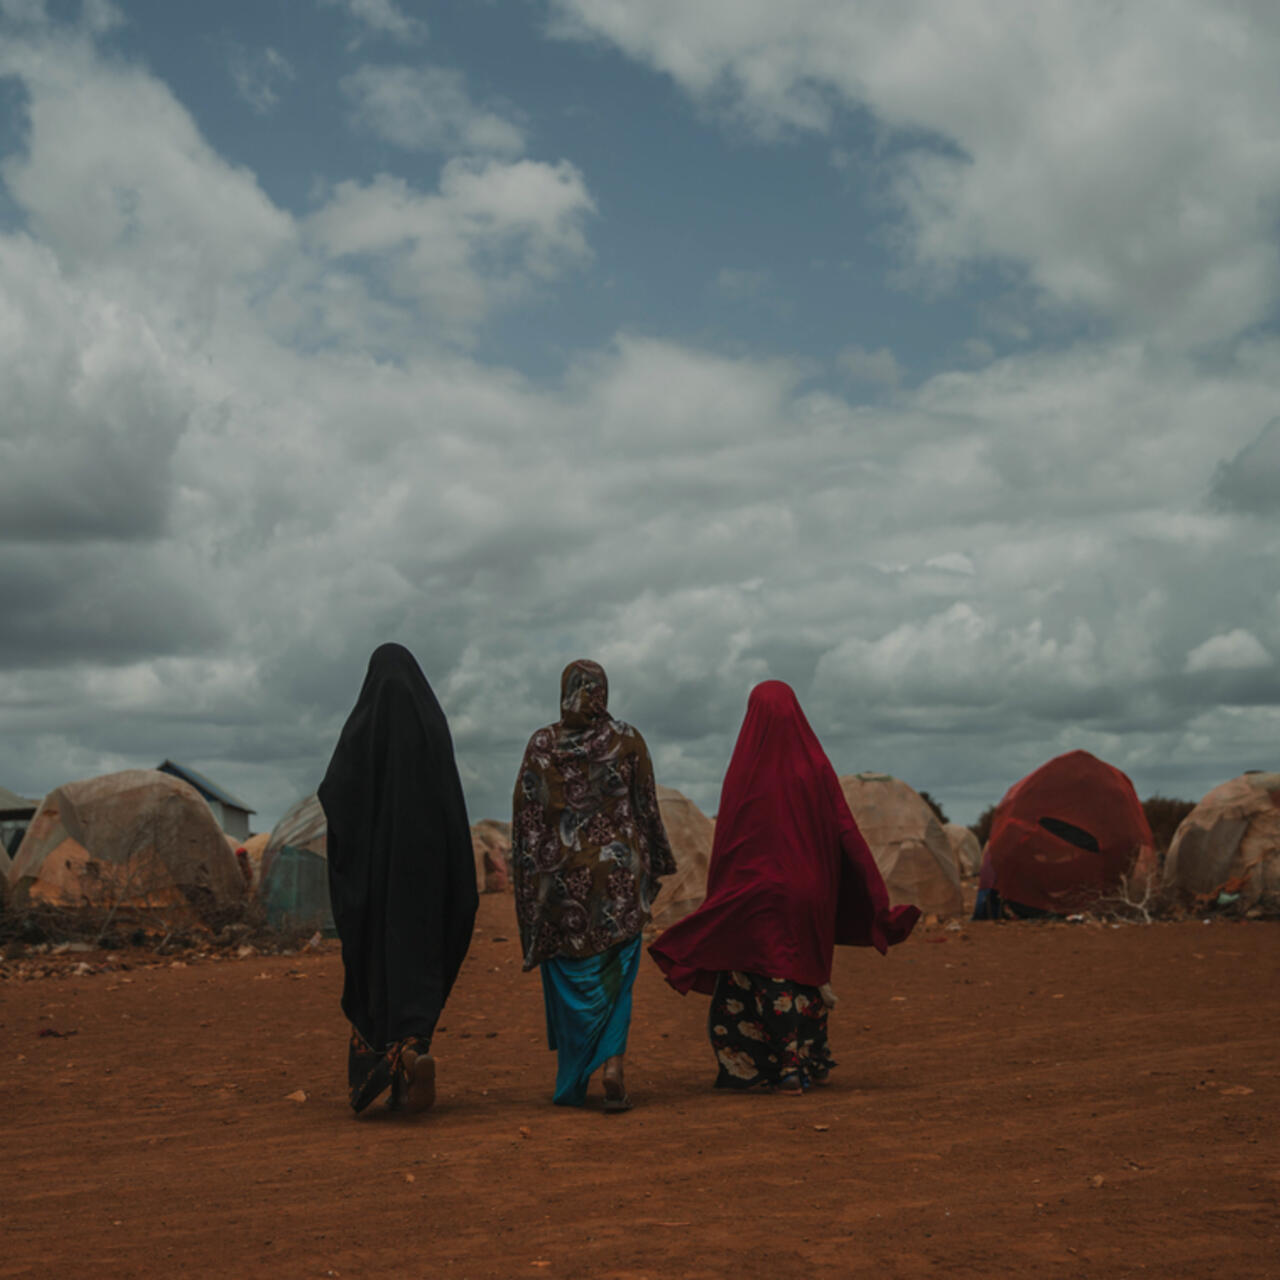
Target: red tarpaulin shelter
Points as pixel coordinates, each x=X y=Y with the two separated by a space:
x=1066 y=834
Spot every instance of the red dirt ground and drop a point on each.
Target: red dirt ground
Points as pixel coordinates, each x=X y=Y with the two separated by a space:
x=1013 y=1100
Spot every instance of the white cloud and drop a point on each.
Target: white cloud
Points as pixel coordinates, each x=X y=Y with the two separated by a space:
x=740 y=283
x=952 y=562
x=880 y=366
x=1237 y=650
x=427 y=109
x=258 y=75
x=101 y=16
x=383 y=18
x=491 y=231
x=260 y=452
x=1071 y=138
x=116 y=176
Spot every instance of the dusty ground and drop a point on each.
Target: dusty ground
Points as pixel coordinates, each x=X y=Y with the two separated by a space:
x=1013 y=1100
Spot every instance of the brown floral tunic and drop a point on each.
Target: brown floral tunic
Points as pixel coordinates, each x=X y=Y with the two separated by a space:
x=587 y=841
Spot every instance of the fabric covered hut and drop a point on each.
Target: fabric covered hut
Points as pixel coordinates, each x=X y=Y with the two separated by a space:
x=254 y=847
x=690 y=832
x=1067 y=834
x=908 y=843
x=1230 y=842
x=491 y=845
x=138 y=840
x=964 y=844
x=293 y=879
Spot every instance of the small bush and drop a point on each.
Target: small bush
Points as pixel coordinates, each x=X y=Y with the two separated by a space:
x=1164 y=817
x=935 y=806
x=982 y=827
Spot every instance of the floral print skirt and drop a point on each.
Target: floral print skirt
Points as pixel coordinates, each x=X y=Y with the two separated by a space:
x=764 y=1030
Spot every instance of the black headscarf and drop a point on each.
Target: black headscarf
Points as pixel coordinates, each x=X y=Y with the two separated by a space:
x=401 y=872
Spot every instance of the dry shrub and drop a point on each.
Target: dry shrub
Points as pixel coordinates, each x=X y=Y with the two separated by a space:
x=1164 y=817
x=935 y=806
x=982 y=827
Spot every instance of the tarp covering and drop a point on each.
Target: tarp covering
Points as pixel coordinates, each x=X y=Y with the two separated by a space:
x=302 y=826
x=293 y=872
x=295 y=888
x=491 y=845
x=690 y=833
x=964 y=844
x=135 y=839
x=908 y=843
x=1231 y=841
x=1067 y=834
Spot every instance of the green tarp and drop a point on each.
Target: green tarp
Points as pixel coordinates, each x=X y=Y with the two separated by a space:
x=295 y=889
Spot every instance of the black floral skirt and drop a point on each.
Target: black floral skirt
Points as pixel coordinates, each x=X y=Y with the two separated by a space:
x=767 y=1030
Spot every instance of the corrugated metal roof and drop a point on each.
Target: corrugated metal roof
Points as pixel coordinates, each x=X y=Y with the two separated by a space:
x=11 y=802
x=209 y=789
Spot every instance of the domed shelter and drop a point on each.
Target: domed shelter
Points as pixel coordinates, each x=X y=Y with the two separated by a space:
x=491 y=845
x=1067 y=835
x=964 y=844
x=293 y=884
x=140 y=840
x=690 y=832
x=908 y=843
x=1230 y=842
x=254 y=847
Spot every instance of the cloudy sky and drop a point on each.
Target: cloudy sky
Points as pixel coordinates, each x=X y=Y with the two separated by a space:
x=924 y=355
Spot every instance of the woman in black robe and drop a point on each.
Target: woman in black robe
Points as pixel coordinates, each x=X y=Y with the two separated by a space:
x=401 y=877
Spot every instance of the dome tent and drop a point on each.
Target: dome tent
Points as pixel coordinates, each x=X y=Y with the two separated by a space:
x=138 y=839
x=907 y=841
x=964 y=844
x=491 y=847
x=690 y=832
x=1066 y=835
x=1230 y=841
x=294 y=872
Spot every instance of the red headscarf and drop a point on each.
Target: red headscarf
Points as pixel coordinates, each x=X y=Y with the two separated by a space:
x=790 y=873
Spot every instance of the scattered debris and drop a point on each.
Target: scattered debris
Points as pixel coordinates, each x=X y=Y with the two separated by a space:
x=298 y=1095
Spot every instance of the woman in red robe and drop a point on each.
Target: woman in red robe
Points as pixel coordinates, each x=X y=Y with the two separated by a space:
x=790 y=876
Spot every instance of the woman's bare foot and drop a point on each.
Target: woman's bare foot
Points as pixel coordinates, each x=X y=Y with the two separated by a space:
x=615 y=1089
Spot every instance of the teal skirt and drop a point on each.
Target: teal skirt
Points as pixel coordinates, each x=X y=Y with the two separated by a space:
x=588 y=1005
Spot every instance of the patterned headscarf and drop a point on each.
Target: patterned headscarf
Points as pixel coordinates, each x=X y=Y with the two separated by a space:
x=584 y=694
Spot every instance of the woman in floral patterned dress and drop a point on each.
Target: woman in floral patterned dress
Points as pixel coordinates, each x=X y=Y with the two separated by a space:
x=790 y=876
x=587 y=851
